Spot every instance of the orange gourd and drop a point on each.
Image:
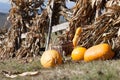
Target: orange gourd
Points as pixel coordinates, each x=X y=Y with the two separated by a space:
x=78 y=53
x=76 y=36
x=50 y=58
x=101 y=51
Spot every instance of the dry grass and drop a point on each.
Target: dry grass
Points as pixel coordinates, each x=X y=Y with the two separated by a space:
x=96 y=70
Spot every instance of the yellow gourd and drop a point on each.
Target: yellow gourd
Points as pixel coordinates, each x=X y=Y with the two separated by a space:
x=76 y=36
x=101 y=51
x=50 y=58
x=78 y=53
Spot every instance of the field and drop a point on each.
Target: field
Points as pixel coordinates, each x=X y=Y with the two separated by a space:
x=96 y=70
x=30 y=21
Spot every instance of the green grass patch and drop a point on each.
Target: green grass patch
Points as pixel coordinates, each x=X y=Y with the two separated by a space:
x=96 y=70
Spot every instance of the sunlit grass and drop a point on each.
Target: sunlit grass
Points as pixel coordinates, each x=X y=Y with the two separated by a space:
x=96 y=70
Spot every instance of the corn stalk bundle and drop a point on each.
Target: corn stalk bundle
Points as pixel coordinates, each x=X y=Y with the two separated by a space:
x=100 y=20
x=30 y=20
x=29 y=23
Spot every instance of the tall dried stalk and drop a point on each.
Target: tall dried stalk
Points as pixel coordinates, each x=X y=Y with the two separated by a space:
x=29 y=19
x=28 y=29
x=100 y=20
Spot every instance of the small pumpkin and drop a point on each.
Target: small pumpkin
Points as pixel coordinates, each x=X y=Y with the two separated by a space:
x=78 y=53
x=76 y=36
x=50 y=58
x=101 y=51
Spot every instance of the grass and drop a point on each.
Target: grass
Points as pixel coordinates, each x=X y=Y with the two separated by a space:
x=96 y=70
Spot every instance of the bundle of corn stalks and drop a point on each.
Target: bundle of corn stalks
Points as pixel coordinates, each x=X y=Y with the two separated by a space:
x=100 y=20
x=27 y=32
x=30 y=20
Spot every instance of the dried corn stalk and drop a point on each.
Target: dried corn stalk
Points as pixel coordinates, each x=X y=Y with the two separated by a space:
x=27 y=33
x=29 y=19
x=100 y=20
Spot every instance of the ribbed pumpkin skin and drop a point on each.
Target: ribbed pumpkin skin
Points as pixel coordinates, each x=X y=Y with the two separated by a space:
x=50 y=58
x=78 y=53
x=101 y=51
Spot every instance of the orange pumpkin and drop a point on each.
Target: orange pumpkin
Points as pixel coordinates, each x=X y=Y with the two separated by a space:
x=50 y=58
x=78 y=53
x=101 y=51
x=76 y=36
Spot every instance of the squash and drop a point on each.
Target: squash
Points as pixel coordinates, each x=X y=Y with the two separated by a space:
x=78 y=53
x=76 y=36
x=50 y=58
x=75 y=40
x=102 y=51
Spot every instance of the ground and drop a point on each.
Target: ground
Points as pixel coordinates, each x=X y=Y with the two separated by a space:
x=96 y=70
